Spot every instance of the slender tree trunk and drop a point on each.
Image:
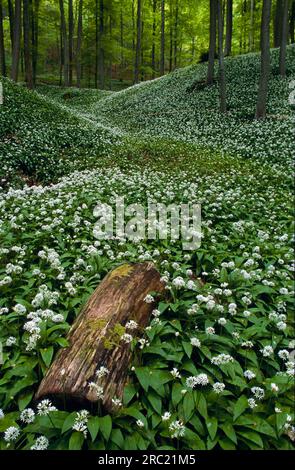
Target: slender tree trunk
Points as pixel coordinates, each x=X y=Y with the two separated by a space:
x=292 y=22
x=11 y=21
x=110 y=39
x=2 y=47
x=162 y=59
x=229 y=27
x=278 y=23
x=251 y=33
x=154 y=39
x=61 y=55
x=79 y=43
x=171 y=32
x=133 y=27
x=141 y=53
x=176 y=33
x=138 y=43
x=35 y=38
x=284 y=38
x=121 y=43
x=71 y=38
x=101 y=48
x=265 y=60
x=17 y=31
x=222 y=82
x=65 y=43
x=212 y=47
x=96 y=45
x=27 y=44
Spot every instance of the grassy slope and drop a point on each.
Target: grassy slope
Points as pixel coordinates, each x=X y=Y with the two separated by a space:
x=168 y=107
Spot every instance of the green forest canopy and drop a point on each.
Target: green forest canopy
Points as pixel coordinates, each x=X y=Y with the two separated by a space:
x=109 y=36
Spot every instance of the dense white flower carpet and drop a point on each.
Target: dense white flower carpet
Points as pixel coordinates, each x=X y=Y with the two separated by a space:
x=214 y=369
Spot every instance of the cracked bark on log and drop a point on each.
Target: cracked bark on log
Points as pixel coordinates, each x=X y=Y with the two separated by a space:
x=94 y=338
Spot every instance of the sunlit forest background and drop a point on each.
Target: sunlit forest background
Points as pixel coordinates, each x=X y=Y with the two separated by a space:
x=109 y=39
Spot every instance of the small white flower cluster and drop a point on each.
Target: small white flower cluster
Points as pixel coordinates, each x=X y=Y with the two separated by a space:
x=258 y=392
x=193 y=381
x=222 y=359
x=27 y=416
x=80 y=423
x=177 y=429
x=11 y=434
x=41 y=443
x=45 y=407
x=218 y=387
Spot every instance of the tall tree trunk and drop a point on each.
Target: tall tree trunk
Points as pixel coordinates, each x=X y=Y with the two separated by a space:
x=278 y=23
x=96 y=45
x=229 y=27
x=110 y=40
x=65 y=43
x=154 y=39
x=212 y=46
x=35 y=38
x=171 y=32
x=176 y=33
x=265 y=60
x=138 y=43
x=2 y=47
x=284 y=38
x=292 y=22
x=27 y=44
x=17 y=31
x=101 y=48
x=121 y=43
x=162 y=59
x=251 y=32
x=79 y=43
x=222 y=83
x=71 y=38
x=11 y=21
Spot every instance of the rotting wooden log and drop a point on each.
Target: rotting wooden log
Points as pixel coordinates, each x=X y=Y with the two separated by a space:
x=95 y=338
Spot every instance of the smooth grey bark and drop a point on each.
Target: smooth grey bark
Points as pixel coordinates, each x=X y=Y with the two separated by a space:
x=35 y=38
x=212 y=46
x=79 y=44
x=2 y=47
x=71 y=38
x=292 y=21
x=229 y=27
x=101 y=48
x=138 y=43
x=222 y=79
x=65 y=43
x=284 y=38
x=278 y=23
x=251 y=32
x=11 y=21
x=27 y=44
x=162 y=59
x=154 y=39
x=17 y=32
x=176 y=32
x=96 y=45
x=265 y=60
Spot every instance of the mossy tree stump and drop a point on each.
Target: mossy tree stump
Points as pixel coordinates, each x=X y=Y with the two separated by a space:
x=94 y=338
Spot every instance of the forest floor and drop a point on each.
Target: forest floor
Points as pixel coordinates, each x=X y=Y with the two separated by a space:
x=215 y=369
